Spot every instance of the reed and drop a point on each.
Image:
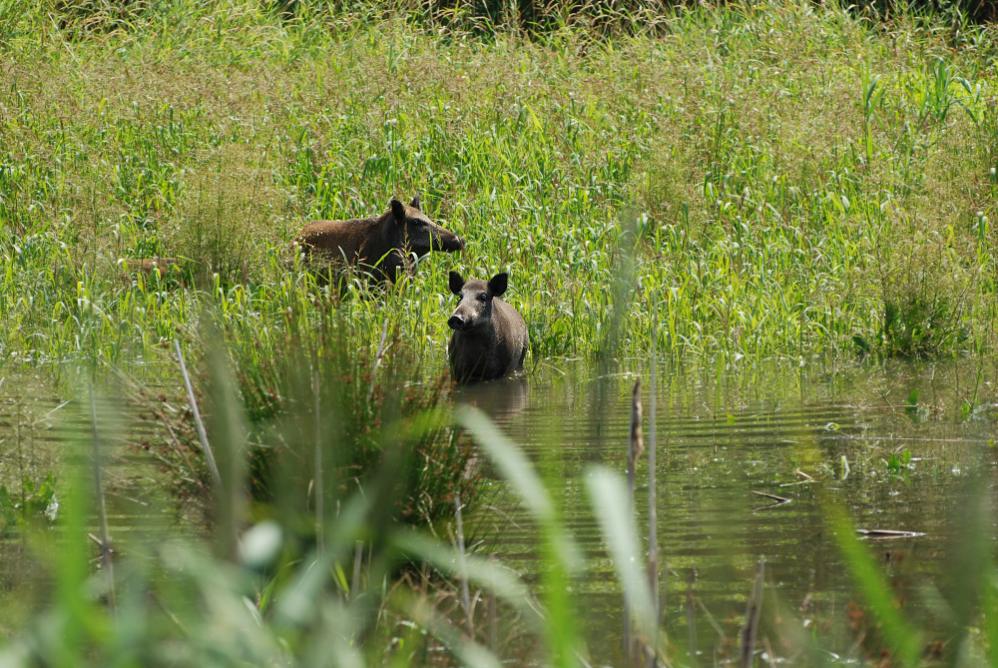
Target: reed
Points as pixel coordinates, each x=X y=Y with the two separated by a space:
x=97 y=466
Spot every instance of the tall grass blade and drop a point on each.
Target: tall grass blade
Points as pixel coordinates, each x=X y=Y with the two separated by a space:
x=465 y=593
x=689 y=608
x=468 y=652
x=512 y=464
x=615 y=514
x=75 y=612
x=228 y=424
x=319 y=477
x=484 y=573
x=990 y=608
x=971 y=563
x=299 y=601
x=559 y=554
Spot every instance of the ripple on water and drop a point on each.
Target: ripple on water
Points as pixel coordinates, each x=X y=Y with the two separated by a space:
x=719 y=439
x=42 y=434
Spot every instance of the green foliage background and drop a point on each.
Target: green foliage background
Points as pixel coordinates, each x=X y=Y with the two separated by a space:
x=787 y=179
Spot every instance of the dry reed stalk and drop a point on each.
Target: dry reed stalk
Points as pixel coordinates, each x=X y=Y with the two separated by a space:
x=209 y=456
x=105 y=534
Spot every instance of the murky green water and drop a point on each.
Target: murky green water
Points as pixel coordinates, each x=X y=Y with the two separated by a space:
x=899 y=447
x=41 y=437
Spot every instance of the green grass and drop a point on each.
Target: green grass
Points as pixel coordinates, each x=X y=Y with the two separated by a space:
x=795 y=180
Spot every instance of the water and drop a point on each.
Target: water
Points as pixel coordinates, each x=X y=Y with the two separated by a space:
x=899 y=447
x=43 y=432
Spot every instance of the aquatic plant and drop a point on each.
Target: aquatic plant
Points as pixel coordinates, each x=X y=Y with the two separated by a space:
x=33 y=502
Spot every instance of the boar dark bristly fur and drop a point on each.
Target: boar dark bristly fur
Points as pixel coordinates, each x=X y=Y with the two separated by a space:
x=379 y=245
x=490 y=337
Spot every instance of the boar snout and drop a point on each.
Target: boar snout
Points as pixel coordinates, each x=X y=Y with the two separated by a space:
x=456 y=322
x=448 y=243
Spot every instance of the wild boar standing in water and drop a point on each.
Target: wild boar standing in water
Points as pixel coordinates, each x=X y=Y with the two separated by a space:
x=490 y=337
x=378 y=245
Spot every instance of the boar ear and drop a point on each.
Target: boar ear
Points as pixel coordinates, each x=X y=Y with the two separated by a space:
x=498 y=284
x=456 y=282
x=398 y=210
x=415 y=203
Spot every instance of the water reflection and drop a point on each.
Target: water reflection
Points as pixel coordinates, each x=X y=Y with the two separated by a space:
x=500 y=399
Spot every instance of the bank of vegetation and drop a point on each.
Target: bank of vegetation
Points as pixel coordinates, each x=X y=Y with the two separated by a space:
x=773 y=179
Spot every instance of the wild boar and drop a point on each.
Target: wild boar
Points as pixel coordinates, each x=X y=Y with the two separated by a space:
x=379 y=245
x=490 y=337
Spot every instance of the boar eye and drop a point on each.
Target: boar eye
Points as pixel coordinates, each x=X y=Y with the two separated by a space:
x=483 y=297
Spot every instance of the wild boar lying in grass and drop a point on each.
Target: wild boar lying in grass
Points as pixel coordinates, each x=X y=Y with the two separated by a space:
x=490 y=337
x=378 y=245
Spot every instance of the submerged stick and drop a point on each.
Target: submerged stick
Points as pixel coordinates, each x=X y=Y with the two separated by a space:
x=105 y=534
x=752 y=612
x=780 y=500
x=209 y=457
x=635 y=447
x=653 y=509
x=889 y=533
